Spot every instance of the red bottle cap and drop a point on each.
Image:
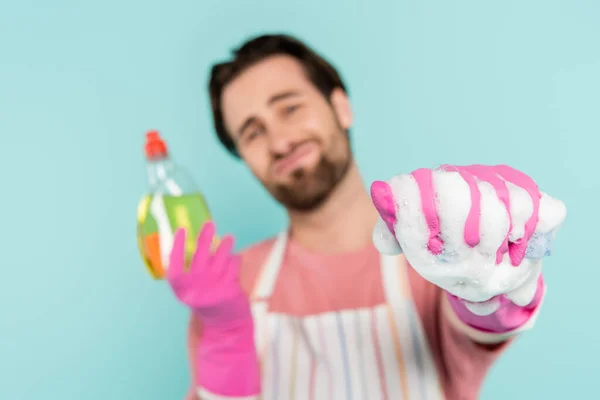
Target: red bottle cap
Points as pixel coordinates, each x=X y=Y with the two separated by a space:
x=155 y=146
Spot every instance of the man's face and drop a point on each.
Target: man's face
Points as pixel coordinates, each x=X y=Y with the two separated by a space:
x=293 y=139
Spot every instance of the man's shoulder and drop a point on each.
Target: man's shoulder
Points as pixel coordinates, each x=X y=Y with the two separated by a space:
x=253 y=258
x=258 y=249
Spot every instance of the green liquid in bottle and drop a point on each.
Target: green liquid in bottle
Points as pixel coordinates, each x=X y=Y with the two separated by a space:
x=188 y=211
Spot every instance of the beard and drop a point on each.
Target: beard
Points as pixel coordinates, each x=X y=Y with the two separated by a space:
x=308 y=189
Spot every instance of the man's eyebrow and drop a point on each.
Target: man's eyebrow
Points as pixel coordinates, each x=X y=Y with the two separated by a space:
x=282 y=96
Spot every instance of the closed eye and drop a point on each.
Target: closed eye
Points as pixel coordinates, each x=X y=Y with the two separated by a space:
x=289 y=110
x=252 y=133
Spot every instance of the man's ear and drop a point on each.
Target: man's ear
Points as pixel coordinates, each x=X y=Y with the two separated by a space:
x=342 y=108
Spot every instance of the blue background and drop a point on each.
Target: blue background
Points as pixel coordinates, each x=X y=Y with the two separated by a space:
x=432 y=82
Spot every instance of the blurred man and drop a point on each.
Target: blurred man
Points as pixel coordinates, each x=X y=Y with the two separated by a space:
x=331 y=317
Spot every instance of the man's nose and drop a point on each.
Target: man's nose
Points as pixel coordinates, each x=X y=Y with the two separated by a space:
x=281 y=140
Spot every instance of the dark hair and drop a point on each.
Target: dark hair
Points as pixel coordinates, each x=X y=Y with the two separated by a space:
x=320 y=72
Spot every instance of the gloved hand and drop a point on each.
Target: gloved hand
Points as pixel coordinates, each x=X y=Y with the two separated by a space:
x=226 y=359
x=478 y=232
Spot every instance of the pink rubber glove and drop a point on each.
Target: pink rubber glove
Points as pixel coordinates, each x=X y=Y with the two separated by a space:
x=227 y=363
x=478 y=232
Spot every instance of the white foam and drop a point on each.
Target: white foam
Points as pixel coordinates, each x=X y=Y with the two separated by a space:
x=469 y=273
x=484 y=307
x=384 y=240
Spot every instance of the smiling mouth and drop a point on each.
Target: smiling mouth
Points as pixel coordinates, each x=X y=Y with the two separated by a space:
x=295 y=158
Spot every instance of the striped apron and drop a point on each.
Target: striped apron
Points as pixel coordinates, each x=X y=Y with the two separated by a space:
x=363 y=354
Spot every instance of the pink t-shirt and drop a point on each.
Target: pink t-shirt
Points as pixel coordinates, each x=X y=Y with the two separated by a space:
x=310 y=283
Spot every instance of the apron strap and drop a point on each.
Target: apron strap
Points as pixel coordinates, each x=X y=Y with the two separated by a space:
x=395 y=279
x=263 y=289
x=394 y=271
x=270 y=270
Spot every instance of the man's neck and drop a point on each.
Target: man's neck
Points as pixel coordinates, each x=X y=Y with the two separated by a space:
x=343 y=223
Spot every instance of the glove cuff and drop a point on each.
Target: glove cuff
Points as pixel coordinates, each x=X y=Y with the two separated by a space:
x=508 y=317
